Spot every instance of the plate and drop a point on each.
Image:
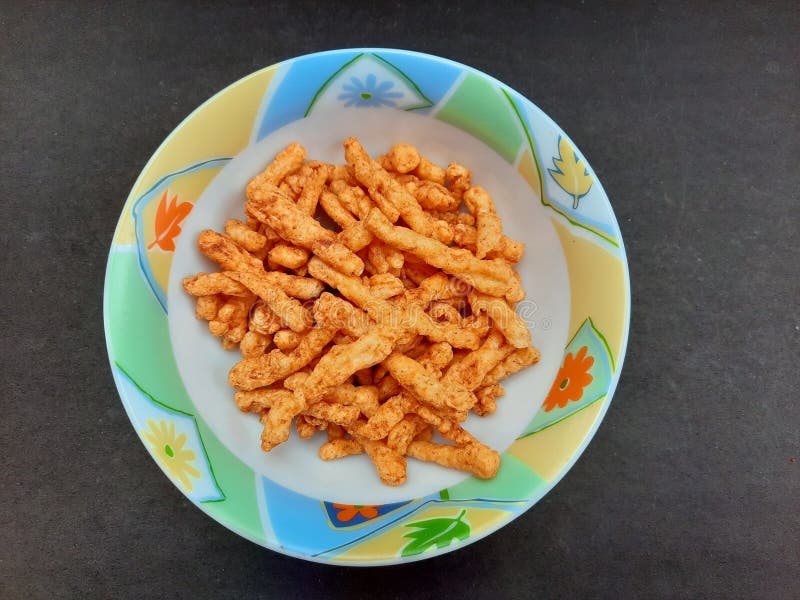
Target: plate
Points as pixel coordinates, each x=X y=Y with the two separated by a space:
x=172 y=375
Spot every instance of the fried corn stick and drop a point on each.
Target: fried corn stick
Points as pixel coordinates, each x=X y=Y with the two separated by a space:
x=470 y=371
x=433 y=196
x=286 y=255
x=514 y=362
x=250 y=240
x=339 y=448
x=487 y=399
x=391 y=467
x=314 y=184
x=225 y=252
x=459 y=179
x=430 y=171
x=403 y=158
x=504 y=318
x=290 y=311
x=334 y=208
x=489 y=276
x=389 y=414
x=208 y=306
x=476 y=458
x=488 y=224
x=371 y=175
x=263 y=320
x=413 y=376
x=287 y=161
x=334 y=368
x=466 y=236
x=286 y=340
x=404 y=432
x=270 y=206
x=252 y=373
x=332 y=311
x=382 y=311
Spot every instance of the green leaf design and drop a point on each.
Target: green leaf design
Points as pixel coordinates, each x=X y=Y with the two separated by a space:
x=438 y=532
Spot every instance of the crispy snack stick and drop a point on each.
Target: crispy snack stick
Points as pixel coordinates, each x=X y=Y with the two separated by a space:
x=433 y=196
x=363 y=397
x=254 y=344
x=288 y=309
x=270 y=206
x=353 y=198
x=288 y=161
x=385 y=285
x=312 y=188
x=225 y=252
x=409 y=317
x=391 y=467
x=475 y=458
x=252 y=373
x=263 y=399
x=470 y=371
x=488 y=224
x=208 y=306
x=404 y=432
x=286 y=255
x=334 y=368
x=208 y=284
x=413 y=376
x=263 y=320
x=250 y=240
x=339 y=448
x=487 y=399
x=504 y=318
x=516 y=361
x=403 y=158
x=332 y=311
x=466 y=236
x=389 y=414
x=356 y=236
x=429 y=171
x=374 y=177
x=286 y=340
x=459 y=179
x=489 y=276
x=335 y=210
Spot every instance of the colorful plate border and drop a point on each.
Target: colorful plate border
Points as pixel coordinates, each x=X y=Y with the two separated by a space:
x=135 y=305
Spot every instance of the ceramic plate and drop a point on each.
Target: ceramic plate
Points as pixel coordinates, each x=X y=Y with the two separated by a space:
x=172 y=375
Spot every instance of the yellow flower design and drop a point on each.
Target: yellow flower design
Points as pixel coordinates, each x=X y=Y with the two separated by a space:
x=168 y=449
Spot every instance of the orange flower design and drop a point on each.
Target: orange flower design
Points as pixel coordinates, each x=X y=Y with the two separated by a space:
x=347 y=512
x=572 y=378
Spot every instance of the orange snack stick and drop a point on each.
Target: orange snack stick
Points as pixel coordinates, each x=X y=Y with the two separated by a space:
x=459 y=179
x=252 y=373
x=403 y=158
x=335 y=210
x=471 y=370
x=290 y=311
x=487 y=399
x=385 y=285
x=263 y=320
x=514 y=362
x=504 y=318
x=313 y=185
x=404 y=432
x=391 y=467
x=286 y=255
x=488 y=224
x=272 y=207
x=476 y=458
x=250 y=240
x=254 y=344
x=414 y=377
x=339 y=448
x=370 y=174
x=208 y=306
x=389 y=414
x=429 y=171
x=287 y=161
x=433 y=196
x=286 y=340
x=489 y=276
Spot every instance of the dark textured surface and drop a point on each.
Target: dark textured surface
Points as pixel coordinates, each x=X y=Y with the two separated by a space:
x=690 y=117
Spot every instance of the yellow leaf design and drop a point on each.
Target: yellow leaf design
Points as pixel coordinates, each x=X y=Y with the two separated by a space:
x=570 y=172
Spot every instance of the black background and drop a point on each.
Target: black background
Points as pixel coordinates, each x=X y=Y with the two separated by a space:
x=688 y=114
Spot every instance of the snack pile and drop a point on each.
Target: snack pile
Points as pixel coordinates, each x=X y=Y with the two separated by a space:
x=395 y=323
